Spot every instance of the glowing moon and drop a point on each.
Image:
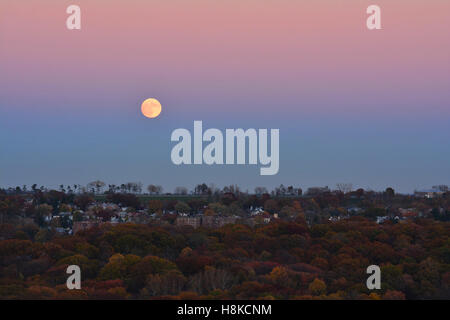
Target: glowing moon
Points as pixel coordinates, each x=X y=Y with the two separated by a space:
x=151 y=108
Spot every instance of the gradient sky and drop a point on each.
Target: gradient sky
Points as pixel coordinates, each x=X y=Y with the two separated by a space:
x=352 y=105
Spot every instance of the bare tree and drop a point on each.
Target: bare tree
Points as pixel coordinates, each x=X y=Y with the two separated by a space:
x=211 y=279
x=153 y=189
x=281 y=190
x=234 y=189
x=344 y=187
x=135 y=187
x=96 y=186
x=213 y=189
x=181 y=190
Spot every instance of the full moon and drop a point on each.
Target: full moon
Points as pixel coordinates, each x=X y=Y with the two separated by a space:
x=151 y=108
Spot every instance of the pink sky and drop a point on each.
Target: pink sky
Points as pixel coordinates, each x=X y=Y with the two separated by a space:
x=272 y=49
x=352 y=105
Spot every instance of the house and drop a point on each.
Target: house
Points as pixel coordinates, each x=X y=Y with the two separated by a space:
x=115 y=220
x=408 y=213
x=381 y=219
x=123 y=215
x=138 y=217
x=313 y=191
x=354 y=210
x=337 y=218
x=66 y=214
x=266 y=217
x=194 y=222
x=63 y=230
x=84 y=225
x=204 y=221
x=434 y=192
x=256 y=211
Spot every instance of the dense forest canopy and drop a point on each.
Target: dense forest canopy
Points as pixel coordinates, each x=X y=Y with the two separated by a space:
x=317 y=247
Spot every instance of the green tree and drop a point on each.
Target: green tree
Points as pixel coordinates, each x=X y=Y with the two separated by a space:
x=182 y=207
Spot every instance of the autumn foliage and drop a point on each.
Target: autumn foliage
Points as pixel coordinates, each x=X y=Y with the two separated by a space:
x=280 y=260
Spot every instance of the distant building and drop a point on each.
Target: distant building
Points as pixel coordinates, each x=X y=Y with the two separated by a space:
x=381 y=219
x=84 y=225
x=354 y=210
x=408 y=213
x=63 y=230
x=313 y=191
x=138 y=217
x=256 y=211
x=205 y=221
x=434 y=192
x=442 y=188
x=194 y=222
x=337 y=218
